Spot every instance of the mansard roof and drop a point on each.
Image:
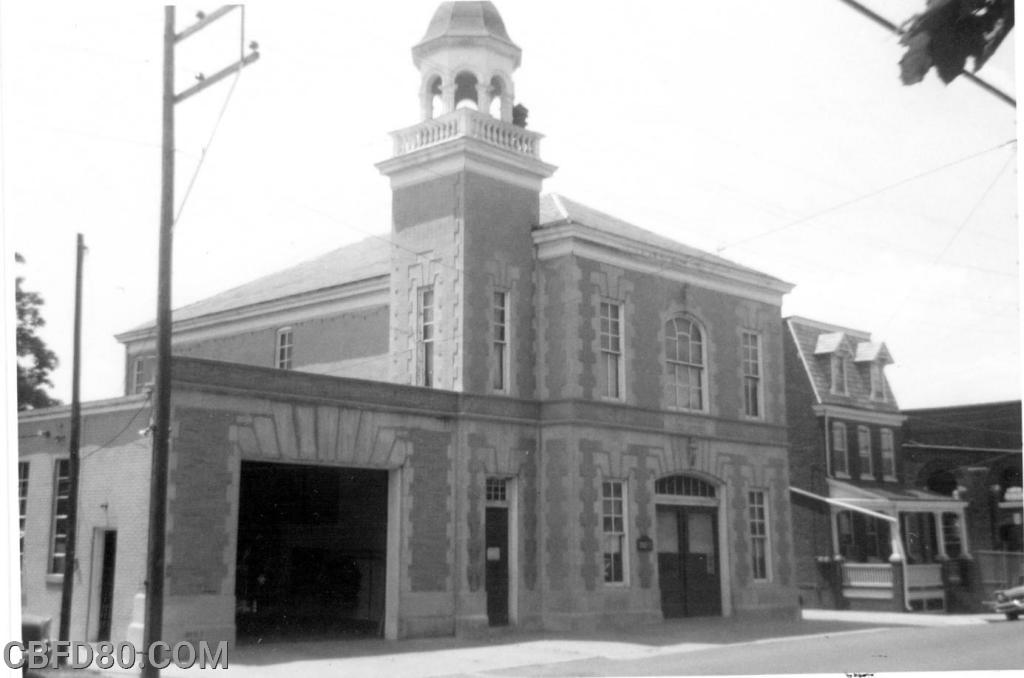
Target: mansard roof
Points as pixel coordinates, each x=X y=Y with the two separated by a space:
x=816 y=342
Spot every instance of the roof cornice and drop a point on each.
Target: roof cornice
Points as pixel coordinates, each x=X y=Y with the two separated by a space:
x=865 y=416
x=569 y=237
x=354 y=294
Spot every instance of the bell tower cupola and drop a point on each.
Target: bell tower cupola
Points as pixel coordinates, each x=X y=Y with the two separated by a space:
x=465 y=198
x=466 y=59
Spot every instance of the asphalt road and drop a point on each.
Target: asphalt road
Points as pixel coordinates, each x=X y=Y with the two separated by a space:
x=993 y=646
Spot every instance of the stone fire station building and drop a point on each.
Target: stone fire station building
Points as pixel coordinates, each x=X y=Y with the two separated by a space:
x=513 y=409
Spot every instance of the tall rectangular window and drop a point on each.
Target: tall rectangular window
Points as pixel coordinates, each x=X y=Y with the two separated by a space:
x=840 y=463
x=888 y=455
x=751 y=374
x=61 y=507
x=499 y=332
x=611 y=350
x=951 y=535
x=839 y=374
x=613 y=526
x=864 y=450
x=139 y=375
x=759 y=548
x=285 y=346
x=426 y=336
x=877 y=382
x=22 y=503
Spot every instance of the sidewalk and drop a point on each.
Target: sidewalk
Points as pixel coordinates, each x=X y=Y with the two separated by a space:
x=436 y=657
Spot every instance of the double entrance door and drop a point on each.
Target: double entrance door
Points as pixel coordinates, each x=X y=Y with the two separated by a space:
x=688 y=561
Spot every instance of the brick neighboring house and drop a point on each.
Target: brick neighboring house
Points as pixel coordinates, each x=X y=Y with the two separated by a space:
x=973 y=452
x=513 y=409
x=867 y=538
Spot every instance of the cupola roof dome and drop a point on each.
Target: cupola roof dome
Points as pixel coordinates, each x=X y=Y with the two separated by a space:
x=466 y=19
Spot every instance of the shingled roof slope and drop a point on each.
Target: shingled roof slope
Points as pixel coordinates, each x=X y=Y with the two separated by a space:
x=556 y=209
x=367 y=258
x=819 y=367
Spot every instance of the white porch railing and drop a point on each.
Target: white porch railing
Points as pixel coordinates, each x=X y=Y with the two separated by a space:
x=867 y=580
x=874 y=575
x=465 y=122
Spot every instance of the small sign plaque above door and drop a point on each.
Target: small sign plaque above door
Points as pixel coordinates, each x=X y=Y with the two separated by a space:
x=493 y=553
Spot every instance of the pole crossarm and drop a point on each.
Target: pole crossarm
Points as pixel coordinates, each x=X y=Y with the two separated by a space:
x=217 y=77
x=204 y=22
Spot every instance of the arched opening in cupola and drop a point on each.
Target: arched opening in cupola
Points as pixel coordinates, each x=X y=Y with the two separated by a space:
x=496 y=91
x=434 y=96
x=465 y=91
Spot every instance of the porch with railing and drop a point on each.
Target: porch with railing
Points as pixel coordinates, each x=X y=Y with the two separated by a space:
x=867 y=580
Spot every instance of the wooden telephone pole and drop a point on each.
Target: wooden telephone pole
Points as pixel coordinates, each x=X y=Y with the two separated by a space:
x=162 y=391
x=74 y=444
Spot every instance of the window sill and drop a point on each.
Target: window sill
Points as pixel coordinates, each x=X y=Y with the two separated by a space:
x=867 y=476
x=889 y=479
x=617 y=584
x=841 y=475
x=54 y=579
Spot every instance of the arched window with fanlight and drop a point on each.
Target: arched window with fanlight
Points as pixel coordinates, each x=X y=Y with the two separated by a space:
x=686 y=364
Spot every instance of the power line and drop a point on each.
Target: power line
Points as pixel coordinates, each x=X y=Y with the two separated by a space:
x=882 y=21
x=865 y=196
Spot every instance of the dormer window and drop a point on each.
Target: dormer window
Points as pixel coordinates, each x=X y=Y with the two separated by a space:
x=839 y=383
x=877 y=382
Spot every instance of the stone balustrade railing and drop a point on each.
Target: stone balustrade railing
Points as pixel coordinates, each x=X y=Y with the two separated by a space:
x=465 y=122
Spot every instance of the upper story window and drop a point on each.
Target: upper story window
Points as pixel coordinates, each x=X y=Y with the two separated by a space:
x=611 y=350
x=888 y=455
x=139 y=382
x=864 y=451
x=61 y=507
x=684 y=352
x=499 y=333
x=22 y=503
x=839 y=383
x=877 y=381
x=752 y=394
x=285 y=346
x=613 y=525
x=840 y=462
x=427 y=336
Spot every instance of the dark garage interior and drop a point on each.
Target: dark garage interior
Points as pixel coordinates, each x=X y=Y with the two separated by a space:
x=311 y=552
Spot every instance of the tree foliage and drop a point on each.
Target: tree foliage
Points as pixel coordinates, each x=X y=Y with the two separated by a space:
x=35 y=359
x=950 y=31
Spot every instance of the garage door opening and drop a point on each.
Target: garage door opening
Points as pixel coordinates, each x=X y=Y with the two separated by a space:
x=311 y=552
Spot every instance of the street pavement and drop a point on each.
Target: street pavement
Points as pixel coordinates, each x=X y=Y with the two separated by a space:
x=703 y=646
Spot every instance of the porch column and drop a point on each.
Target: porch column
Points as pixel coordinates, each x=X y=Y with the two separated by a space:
x=940 y=534
x=965 y=545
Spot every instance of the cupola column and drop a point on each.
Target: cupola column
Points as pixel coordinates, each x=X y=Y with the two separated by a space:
x=483 y=97
x=448 y=96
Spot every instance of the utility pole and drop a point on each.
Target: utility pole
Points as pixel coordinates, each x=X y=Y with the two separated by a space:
x=162 y=392
x=74 y=443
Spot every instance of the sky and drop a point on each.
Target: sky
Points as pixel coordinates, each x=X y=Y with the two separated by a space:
x=776 y=134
